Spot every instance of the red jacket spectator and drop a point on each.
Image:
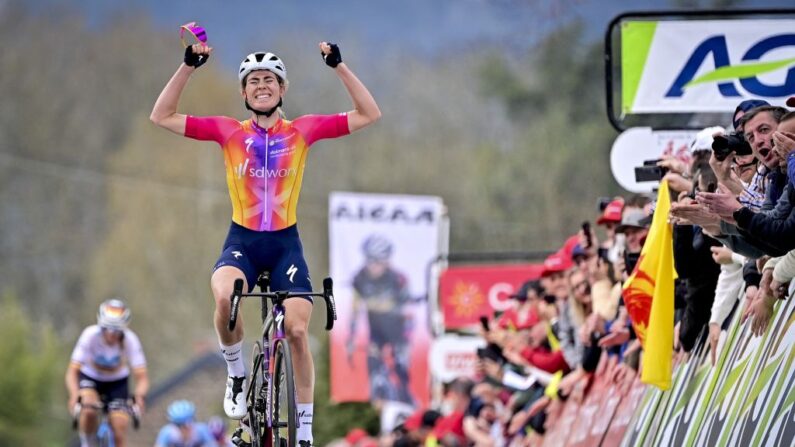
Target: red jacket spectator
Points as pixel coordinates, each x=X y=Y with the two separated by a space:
x=542 y=358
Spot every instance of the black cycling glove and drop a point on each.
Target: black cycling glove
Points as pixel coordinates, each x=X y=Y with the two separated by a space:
x=194 y=60
x=334 y=58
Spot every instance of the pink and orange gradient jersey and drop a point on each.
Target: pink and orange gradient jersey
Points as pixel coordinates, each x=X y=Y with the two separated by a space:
x=264 y=168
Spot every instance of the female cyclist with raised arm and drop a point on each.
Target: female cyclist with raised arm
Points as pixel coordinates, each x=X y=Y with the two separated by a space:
x=264 y=157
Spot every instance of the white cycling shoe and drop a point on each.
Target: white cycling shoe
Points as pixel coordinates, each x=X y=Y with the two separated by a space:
x=235 y=397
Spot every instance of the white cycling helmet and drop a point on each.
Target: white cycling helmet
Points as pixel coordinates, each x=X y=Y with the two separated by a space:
x=377 y=248
x=262 y=61
x=113 y=314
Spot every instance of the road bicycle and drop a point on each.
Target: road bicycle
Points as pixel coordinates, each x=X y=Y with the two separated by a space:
x=105 y=435
x=272 y=418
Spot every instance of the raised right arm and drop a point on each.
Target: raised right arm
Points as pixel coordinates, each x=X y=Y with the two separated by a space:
x=164 y=114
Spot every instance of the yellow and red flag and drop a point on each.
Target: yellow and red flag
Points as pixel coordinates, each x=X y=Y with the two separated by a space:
x=649 y=296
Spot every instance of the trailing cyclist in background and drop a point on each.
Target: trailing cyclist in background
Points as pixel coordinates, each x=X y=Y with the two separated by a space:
x=264 y=157
x=99 y=371
x=218 y=430
x=182 y=429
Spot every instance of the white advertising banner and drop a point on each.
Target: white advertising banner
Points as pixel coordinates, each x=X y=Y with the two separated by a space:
x=454 y=356
x=381 y=247
x=705 y=65
x=639 y=144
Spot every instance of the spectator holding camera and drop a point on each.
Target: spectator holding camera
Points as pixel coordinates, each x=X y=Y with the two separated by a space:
x=741 y=175
x=719 y=207
x=766 y=232
x=740 y=172
x=693 y=260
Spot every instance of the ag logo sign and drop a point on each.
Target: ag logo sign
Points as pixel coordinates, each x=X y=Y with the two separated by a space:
x=705 y=65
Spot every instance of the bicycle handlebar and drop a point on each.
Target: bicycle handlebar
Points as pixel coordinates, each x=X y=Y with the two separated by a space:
x=327 y=295
x=132 y=408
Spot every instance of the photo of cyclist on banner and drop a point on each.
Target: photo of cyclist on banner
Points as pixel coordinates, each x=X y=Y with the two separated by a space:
x=381 y=247
x=382 y=291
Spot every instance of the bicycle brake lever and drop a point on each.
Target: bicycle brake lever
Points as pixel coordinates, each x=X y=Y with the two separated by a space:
x=331 y=308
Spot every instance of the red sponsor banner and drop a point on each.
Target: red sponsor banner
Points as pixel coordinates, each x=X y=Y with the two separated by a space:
x=466 y=293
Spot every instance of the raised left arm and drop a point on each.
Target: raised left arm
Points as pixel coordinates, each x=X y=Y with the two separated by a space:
x=365 y=110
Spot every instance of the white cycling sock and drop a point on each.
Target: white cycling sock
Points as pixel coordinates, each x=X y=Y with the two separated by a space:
x=88 y=440
x=234 y=359
x=305 y=422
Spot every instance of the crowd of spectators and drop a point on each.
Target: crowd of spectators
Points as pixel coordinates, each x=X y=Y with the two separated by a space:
x=733 y=235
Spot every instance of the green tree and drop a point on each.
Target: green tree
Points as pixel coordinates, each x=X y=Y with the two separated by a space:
x=31 y=383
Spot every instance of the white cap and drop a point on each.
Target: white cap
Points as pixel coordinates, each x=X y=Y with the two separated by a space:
x=704 y=138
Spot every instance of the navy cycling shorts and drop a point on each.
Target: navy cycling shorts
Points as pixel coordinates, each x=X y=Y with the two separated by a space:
x=114 y=393
x=279 y=252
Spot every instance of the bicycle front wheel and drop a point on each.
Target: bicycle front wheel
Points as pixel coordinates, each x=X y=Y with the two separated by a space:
x=284 y=415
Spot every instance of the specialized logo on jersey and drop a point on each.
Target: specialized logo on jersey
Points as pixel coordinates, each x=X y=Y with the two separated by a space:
x=237 y=254
x=291 y=271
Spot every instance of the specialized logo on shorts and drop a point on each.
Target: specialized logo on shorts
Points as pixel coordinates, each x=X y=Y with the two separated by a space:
x=237 y=254
x=291 y=271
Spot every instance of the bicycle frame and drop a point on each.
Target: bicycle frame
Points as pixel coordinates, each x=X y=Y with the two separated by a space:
x=105 y=431
x=104 y=428
x=272 y=333
x=277 y=316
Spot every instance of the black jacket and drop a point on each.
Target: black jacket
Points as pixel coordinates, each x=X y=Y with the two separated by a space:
x=693 y=261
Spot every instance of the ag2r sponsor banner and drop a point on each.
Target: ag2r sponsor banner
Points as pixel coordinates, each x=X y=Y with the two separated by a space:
x=467 y=293
x=705 y=65
x=380 y=248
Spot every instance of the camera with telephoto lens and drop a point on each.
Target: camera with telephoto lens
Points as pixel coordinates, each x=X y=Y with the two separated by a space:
x=650 y=172
x=724 y=145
